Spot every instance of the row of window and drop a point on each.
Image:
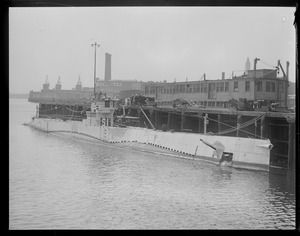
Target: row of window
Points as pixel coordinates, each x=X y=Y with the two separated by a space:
x=111 y=84
x=199 y=103
x=270 y=87
x=204 y=88
x=189 y=88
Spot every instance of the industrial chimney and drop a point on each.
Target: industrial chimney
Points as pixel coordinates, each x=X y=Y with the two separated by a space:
x=223 y=75
x=107 y=73
x=287 y=70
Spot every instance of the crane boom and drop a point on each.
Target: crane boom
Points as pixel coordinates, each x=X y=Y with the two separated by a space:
x=279 y=64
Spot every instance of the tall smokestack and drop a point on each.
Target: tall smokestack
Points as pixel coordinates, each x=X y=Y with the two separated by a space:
x=223 y=75
x=255 y=62
x=287 y=70
x=107 y=75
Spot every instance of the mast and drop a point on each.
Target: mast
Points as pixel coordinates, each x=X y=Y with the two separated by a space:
x=95 y=45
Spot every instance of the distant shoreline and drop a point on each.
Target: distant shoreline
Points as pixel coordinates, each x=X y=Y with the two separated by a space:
x=18 y=95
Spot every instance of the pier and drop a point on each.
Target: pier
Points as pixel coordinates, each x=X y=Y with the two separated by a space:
x=279 y=127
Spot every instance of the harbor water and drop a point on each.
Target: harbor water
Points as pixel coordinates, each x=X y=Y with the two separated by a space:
x=67 y=183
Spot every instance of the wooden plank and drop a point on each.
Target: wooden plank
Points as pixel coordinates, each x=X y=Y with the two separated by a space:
x=272 y=124
x=226 y=111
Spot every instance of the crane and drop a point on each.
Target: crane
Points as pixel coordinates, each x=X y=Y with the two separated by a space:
x=285 y=77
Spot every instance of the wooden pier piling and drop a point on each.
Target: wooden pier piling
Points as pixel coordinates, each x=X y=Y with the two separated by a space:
x=182 y=123
x=238 y=123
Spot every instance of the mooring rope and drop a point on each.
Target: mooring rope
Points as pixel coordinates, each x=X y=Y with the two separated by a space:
x=235 y=128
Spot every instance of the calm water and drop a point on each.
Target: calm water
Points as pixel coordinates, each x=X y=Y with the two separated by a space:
x=62 y=183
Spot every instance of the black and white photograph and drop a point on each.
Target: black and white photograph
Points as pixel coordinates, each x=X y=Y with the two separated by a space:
x=152 y=117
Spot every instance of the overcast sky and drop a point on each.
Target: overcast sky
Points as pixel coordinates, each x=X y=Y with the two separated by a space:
x=146 y=43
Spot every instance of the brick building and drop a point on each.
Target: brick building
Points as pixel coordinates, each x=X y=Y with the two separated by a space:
x=112 y=88
x=253 y=86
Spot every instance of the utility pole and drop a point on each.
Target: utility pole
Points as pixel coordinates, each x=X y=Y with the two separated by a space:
x=95 y=45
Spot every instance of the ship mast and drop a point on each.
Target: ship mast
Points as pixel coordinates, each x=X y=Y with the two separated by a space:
x=95 y=45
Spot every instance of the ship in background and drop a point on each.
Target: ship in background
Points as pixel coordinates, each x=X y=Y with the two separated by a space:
x=253 y=106
x=115 y=89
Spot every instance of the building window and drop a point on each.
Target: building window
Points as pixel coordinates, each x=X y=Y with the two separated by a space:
x=212 y=87
x=158 y=89
x=220 y=87
x=198 y=88
x=152 y=90
x=188 y=88
x=205 y=103
x=147 y=90
x=247 y=86
x=211 y=90
x=270 y=87
x=177 y=88
x=236 y=86
x=203 y=88
x=195 y=87
x=259 y=86
x=226 y=86
x=280 y=87
x=212 y=104
x=182 y=88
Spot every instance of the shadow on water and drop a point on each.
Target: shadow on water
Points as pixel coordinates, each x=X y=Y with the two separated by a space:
x=283 y=183
x=220 y=176
x=223 y=172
